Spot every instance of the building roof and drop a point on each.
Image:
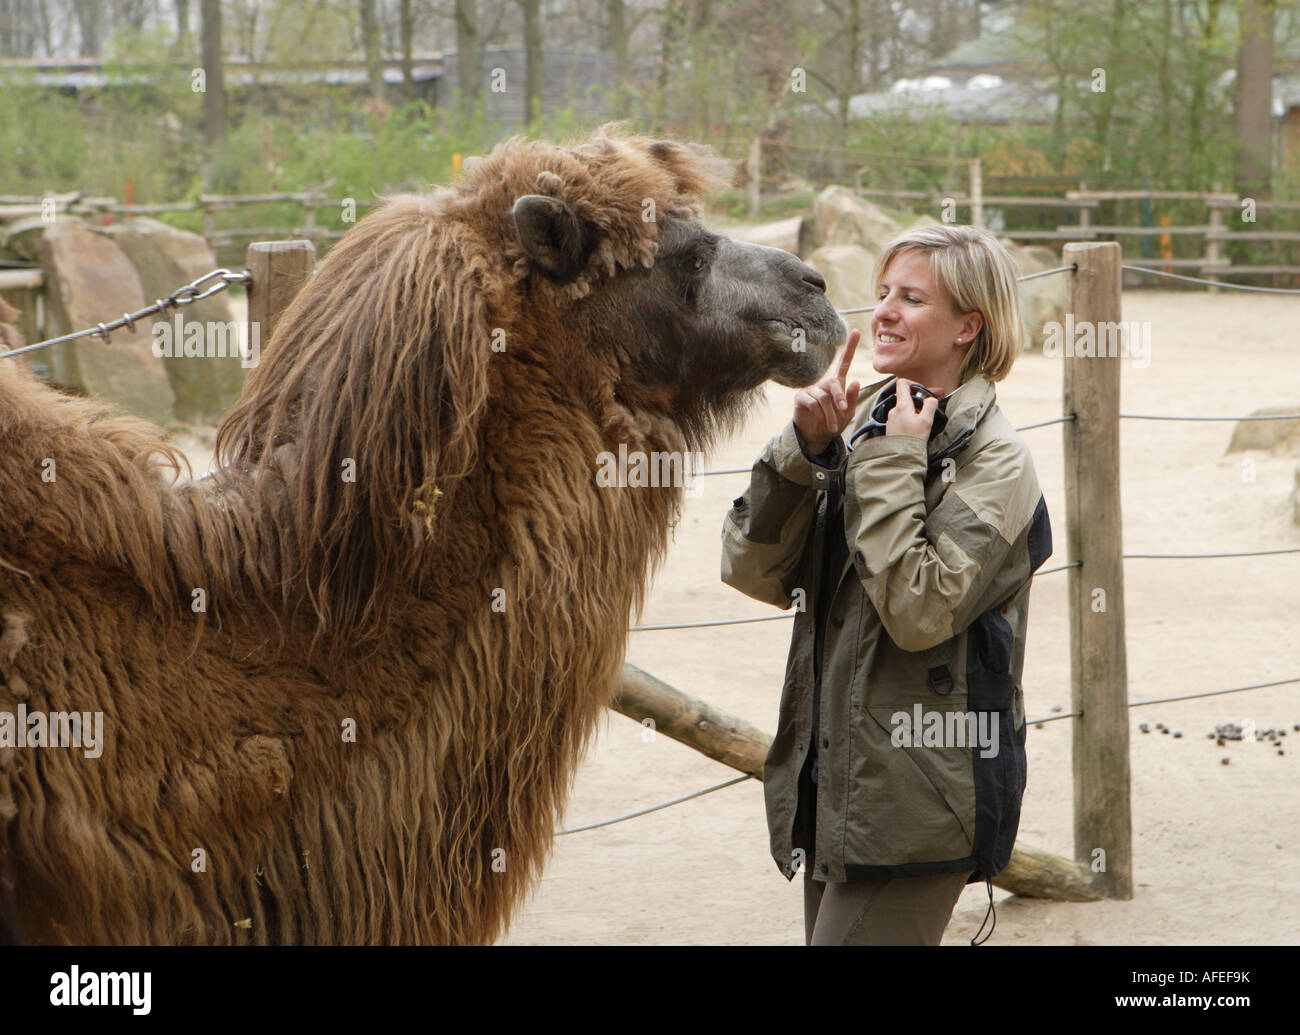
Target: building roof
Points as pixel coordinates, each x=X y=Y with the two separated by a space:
x=982 y=98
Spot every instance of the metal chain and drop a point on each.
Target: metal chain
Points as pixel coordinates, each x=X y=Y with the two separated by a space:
x=187 y=295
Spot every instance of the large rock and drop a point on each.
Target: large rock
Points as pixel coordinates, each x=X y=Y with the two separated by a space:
x=847 y=269
x=841 y=217
x=1042 y=301
x=89 y=281
x=783 y=234
x=1280 y=436
x=20 y=238
x=205 y=386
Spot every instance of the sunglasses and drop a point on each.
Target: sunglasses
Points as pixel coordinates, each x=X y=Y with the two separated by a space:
x=875 y=426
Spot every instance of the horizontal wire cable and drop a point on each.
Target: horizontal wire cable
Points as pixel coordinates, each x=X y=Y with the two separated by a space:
x=1180 y=697
x=1152 y=416
x=1213 y=283
x=1028 y=722
x=701 y=625
x=1200 y=556
x=656 y=808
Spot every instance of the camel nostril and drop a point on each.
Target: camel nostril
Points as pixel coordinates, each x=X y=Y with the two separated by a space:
x=816 y=280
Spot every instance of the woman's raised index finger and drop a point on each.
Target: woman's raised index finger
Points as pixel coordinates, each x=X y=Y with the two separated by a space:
x=854 y=336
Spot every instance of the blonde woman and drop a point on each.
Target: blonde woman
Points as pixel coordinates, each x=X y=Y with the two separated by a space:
x=906 y=535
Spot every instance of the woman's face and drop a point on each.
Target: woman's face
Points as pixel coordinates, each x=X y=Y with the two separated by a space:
x=917 y=332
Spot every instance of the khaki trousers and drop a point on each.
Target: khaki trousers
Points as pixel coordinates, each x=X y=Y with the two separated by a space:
x=894 y=911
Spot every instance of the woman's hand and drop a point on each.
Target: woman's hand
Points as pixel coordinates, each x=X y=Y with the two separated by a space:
x=905 y=419
x=823 y=411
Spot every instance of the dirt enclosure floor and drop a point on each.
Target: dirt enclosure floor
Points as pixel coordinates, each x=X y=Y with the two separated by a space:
x=1217 y=847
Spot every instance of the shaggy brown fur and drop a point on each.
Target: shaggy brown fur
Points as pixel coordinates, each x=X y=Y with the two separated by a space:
x=462 y=603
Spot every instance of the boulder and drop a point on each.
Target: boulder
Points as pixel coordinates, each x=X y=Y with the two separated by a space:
x=205 y=386
x=1042 y=301
x=847 y=269
x=89 y=281
x=1282 y=437
x=783 y=234
x=841 y=217
x=20 y=238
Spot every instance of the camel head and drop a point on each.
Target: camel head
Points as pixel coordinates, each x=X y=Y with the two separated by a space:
x=686 y=322
x=709 y=315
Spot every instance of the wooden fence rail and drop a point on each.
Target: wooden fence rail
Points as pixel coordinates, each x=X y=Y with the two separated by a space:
x=14 y=207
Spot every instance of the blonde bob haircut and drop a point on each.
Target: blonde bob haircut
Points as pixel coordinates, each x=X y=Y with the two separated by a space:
x=979 y=275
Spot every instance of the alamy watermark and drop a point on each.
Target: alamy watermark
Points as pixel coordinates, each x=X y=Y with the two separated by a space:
x=179 y=338
x=25 y=729
x=637 y=469
x=1106 y=340
x=130 y=988
x=922 y=728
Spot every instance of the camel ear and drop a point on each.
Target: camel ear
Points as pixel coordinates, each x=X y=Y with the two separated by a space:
x=552 y=235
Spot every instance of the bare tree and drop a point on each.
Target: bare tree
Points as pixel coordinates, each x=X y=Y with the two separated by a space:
x=406 y=29
x=88 y=23
x=182 y=23
x=533 y=68
x=617 y=35
x=1254 y=101
x=214 y=90
x=670 y=31
x=370 y=43
x=469 y=55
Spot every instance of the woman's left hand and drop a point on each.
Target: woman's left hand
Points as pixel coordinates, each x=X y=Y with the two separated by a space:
x=905 y=419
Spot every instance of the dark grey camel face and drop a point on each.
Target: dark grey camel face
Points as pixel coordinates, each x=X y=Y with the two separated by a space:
x=708 y=323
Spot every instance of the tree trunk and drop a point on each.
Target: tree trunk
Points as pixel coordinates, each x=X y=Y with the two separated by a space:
x=618 y=44
x=848 y=85
x=1105 y=104
x=1254 y=100
x=88 y=23
x=1166 y=87
x=182 y=24
x=1200 y=73
x=669 y=34
x=406 y=26
x=469 y=73
x=370 y=42
x=533 y=68
x=214 y=90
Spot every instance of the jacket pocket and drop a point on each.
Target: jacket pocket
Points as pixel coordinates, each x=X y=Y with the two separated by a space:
x=989 y=644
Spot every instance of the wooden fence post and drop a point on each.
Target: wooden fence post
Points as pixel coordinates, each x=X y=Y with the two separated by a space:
x=1094 y=536
x=279 y=269
x=1212 y=239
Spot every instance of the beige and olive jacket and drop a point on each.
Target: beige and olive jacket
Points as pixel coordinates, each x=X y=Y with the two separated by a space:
x=920 y=715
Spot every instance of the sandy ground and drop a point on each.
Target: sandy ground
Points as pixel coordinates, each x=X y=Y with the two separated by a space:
x=1217 y=847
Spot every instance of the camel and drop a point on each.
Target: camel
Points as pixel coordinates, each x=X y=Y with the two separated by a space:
x=345 y=679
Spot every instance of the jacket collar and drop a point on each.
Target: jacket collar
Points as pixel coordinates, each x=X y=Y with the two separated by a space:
x=966 y=406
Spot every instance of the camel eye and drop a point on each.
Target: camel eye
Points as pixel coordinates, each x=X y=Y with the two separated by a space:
x=696 y=263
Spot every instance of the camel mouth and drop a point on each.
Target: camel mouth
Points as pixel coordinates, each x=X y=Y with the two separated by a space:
x=805 y=351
